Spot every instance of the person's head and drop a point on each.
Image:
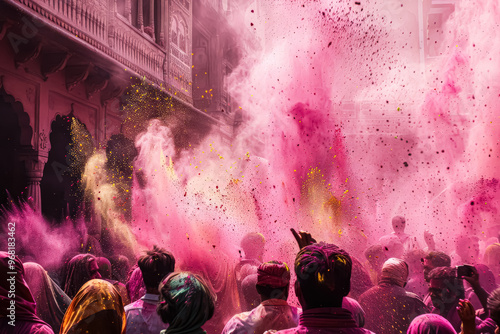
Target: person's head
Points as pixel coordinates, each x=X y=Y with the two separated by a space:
x=186 y=302
x=104 y=267
x=433 y=260
x=96 y=308
x=392 y=246
x=273 y=280
x=415 y=260
x=494 y=306
x=467 y=247
x=155 y=265
x=376 y=256
x=253 y=245
x=120 y=267
x=81 y=269
x=429 y=324
x=323 y=275
x=492 y=258
x=395 y=272
x=398 y=224
x=444 y=288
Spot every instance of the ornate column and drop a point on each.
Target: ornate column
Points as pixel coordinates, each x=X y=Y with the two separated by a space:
x=152 y=17
x=140 y=16
x=34 y=164
x=162 y=24
x=128 y=10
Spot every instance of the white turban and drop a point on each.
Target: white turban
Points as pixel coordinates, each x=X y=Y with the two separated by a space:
x=394 y=271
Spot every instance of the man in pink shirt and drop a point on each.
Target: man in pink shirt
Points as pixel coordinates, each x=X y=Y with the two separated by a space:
x=273 y=282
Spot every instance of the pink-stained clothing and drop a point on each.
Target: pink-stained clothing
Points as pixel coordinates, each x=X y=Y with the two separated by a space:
x=142 y=317
x=270 y=314
x=390 y=308
x=23 y=306
x=327 y=320
x=358 y=314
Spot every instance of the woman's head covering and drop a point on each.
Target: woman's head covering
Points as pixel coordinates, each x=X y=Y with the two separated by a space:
x=135 y=285
x=12 y=279
x=104 y=267
x=51 y=301
x=430 y=324
x=78 y=273
x=394 y=271
x=97 y=308
x=187 y=302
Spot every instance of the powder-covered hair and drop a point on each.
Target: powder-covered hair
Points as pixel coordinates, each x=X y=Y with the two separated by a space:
x=323 y=271
x=155 y=265
x=442 y=273
x=438 y=259
x=451 y=282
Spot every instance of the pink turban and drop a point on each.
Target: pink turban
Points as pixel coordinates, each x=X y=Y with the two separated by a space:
x=274 y=274
x=430 y=324
x=394 y=271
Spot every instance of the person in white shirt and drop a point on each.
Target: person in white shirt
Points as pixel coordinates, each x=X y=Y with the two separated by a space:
x=141 y=314
x=273 y=283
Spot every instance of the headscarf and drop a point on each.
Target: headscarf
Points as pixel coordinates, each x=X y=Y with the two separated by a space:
x=78 y=273
x=187 y=302
x=430 y=324
x=394 y=271
x=12 y=272
x=135 y=285
x=274 y=274
x=104 y=267
x=97 y=308
x=51 y=301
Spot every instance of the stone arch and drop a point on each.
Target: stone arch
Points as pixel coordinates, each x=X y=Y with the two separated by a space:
x=61 y=191
x=15 y=140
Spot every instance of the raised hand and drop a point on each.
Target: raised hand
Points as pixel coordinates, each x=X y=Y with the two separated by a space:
x=468 y=316
x=303 y=238
x=429 y=240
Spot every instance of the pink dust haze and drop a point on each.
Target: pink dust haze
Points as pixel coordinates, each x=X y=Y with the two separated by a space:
x=347 y=123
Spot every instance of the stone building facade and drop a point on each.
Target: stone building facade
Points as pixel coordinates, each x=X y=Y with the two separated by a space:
x=64 y=61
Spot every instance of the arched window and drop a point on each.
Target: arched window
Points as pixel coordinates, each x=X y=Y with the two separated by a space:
x=121 y=8
x=173 y=31
x=182 y=36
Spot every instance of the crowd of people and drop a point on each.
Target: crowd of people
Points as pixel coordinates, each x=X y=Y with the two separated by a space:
x=401 y=288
